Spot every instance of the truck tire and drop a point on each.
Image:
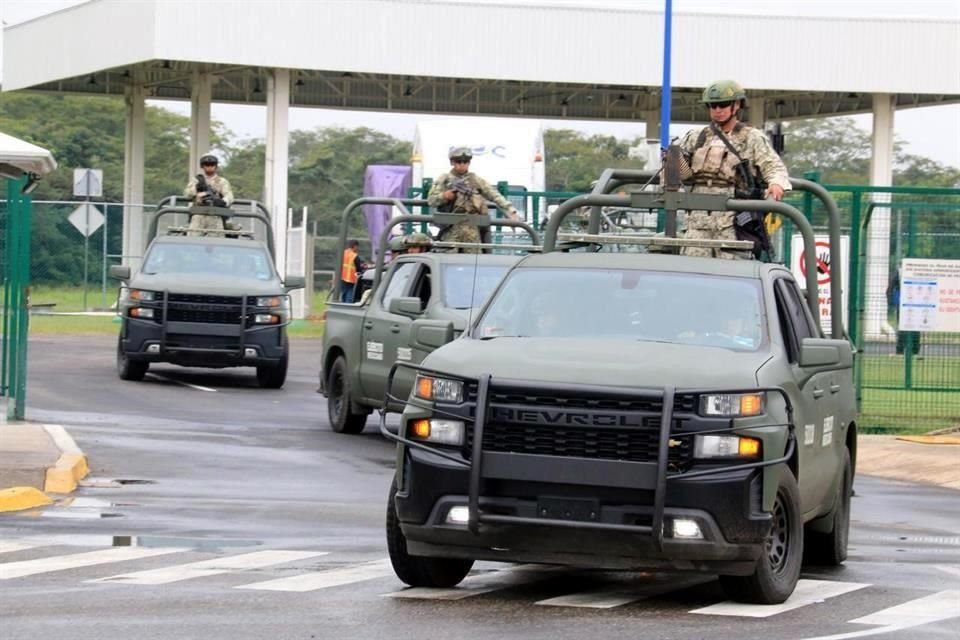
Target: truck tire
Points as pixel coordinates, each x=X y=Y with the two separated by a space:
x=272 y=376
x=340 y=400
x=778 y=568
x=419 y=571
x=831 y=548
x=129 y=369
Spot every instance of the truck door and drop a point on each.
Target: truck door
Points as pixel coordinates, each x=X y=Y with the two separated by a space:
x=386 y=336
x=815 y=420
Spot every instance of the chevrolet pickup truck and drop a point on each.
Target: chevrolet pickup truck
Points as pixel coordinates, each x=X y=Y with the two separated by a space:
x=632 y=411
x=206 y=298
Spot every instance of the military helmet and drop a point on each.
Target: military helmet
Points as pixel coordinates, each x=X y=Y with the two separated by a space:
x=723 y=91
x=397 y=244
x=463 y=153
x=209 y=159
x=417 y=240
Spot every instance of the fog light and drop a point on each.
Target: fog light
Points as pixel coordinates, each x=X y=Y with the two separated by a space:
x=686 y=528
x=249 y=352
x=458 y=515
x=153 y=348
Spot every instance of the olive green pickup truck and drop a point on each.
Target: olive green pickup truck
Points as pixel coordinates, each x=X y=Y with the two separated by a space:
x=206 y=298
x=632 y=411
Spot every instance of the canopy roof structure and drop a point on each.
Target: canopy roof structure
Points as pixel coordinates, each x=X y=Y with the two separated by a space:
x=18 y=157
x=589 y=60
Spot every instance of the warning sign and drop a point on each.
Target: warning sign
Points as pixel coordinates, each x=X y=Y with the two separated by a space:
x=825 y=258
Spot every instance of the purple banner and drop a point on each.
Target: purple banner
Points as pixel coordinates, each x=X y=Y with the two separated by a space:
x=383 y=181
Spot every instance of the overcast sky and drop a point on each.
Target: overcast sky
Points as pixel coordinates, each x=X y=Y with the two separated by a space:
x=931 y=131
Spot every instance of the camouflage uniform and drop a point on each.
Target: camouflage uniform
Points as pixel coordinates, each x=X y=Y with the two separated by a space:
x=220 y=185
x=713 y=170
x=475 y=204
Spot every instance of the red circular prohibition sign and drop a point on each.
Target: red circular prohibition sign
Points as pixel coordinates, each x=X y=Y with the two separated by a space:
x=823 y=267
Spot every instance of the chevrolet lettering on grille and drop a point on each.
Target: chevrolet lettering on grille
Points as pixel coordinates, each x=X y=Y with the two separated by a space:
x=545 y=416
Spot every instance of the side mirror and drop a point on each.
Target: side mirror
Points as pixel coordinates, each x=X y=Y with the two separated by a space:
x=294 y=282
x=427 y=335
x=406 y=306
x=120 y=272
x=826 y=352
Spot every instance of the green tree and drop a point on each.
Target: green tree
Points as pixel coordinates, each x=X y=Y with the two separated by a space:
x=574 y=160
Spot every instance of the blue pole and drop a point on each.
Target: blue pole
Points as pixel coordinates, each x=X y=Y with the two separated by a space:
x=665 y=93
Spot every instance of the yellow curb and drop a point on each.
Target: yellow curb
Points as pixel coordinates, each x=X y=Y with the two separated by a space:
x=70 y=469
x=20 y=498
x=931 y=439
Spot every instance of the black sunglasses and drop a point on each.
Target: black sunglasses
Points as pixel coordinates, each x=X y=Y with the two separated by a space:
x=460 y=159
x=720 y=105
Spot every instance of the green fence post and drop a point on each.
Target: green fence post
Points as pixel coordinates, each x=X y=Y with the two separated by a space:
x=17 y=302
x=855 y=306
x=536 y=210
x=909 y=335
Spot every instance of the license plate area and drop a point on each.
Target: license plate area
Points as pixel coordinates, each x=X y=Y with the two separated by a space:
x=581 y=509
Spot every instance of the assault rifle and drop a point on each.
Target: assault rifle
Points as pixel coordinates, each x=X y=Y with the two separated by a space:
x=212 y=196
x=462 y=186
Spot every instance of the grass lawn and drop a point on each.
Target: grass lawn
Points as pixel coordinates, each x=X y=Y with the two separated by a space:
x=932 y=402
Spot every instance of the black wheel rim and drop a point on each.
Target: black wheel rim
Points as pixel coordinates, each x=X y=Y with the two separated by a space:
x=778 y=540
x=336 y=393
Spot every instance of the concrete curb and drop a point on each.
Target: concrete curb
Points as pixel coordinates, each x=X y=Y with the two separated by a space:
x=71 y=466
x=21 y=498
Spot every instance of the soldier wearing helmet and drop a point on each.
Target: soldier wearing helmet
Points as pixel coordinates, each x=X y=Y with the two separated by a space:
x=714 y=155
x=411 y=243
x=460 y=191
x=208 y=189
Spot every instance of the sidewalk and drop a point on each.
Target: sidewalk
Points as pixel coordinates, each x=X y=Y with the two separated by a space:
x=36 y=459
x=40 y=459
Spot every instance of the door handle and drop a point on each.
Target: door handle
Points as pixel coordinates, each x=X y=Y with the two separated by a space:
x=834 y=388
x=368 y=325
x=817 y=392
x=395 y=328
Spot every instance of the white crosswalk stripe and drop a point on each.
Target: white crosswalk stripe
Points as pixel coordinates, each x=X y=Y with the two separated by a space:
x=618 y=595
x=933 y=608
x=10 y=546
x=479 y=584
x=77 y=560
x=246 y=561
x=807 y=592
x=325 y=579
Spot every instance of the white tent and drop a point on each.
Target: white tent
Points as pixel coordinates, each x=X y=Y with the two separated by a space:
x=19 y=157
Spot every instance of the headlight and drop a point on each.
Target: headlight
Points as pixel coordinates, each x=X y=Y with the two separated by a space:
x=439 y=389
x=726 y=447
x=140 y=312
x=142 y=296
x=437 y=431
x=731 y=405
x=269 y=301
x=266 y=318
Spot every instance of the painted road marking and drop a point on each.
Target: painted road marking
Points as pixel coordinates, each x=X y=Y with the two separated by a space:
x=479 y=584
x=954 y=571
x=77 y=560
x=180 y=382
x=11 y=546
x=933 y=608
x=216 y=566
x=807 y=592
x=325 y=579
x=617 y=595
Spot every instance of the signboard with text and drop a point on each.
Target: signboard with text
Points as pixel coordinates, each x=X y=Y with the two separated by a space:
x=825 y=258
x=929 y=295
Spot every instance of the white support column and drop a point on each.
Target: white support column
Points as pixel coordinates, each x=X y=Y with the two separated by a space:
x=653 y=125
x=201 y=93
x=757 y=112
x=277 y=155
x=133 y=161
x=878 y=237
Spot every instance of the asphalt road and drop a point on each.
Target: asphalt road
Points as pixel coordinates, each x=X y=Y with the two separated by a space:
x=217 y=509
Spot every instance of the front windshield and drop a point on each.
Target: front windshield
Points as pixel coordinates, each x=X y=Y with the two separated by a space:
x=654 y=306
x=250 y=261
x=469 y=285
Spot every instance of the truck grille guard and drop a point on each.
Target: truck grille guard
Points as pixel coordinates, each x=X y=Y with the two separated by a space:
x=662 y=475
x=245 y=309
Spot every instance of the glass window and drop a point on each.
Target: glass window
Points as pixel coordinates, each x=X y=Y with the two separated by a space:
x=239 y=261
x=469 y=285
x=654 y=306
x=398 y=282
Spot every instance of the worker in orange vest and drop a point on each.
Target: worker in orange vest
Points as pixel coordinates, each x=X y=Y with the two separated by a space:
x=350 y=269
